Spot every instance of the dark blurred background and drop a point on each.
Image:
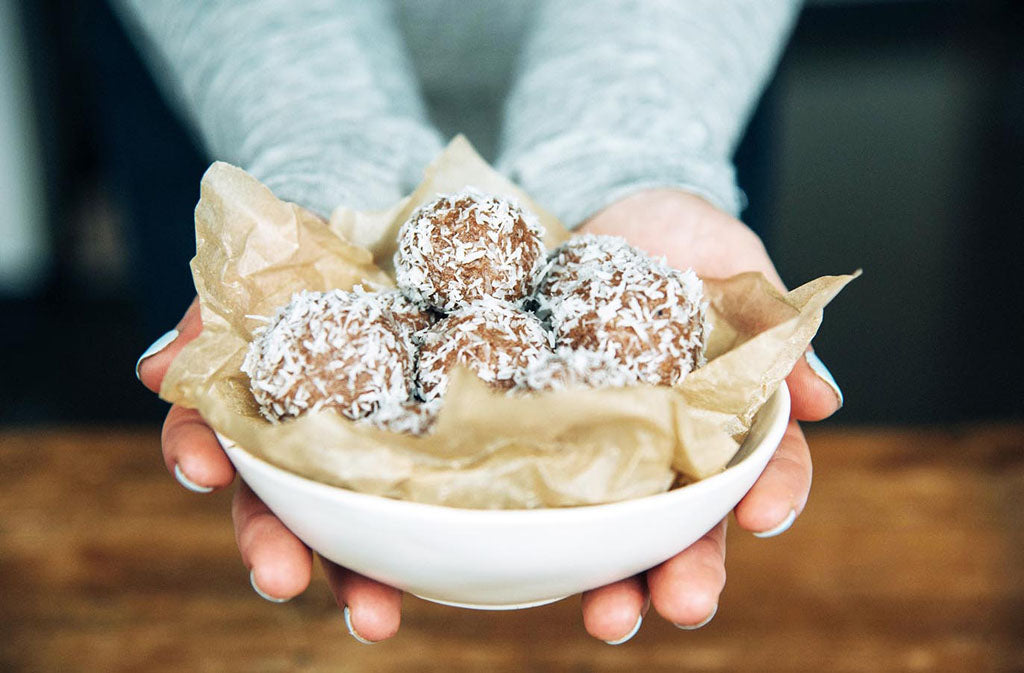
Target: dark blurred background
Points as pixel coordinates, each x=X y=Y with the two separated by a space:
x=892 y=139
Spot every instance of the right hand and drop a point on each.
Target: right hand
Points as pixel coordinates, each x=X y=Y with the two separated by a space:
x=691 y=233
x=280 y=564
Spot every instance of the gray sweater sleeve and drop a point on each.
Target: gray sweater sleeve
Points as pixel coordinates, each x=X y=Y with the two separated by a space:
x=313 y=97
x=614 y=96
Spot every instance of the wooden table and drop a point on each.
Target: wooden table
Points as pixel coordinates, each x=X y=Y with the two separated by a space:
x=909 y=558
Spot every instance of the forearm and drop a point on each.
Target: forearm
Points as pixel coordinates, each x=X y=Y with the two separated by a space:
x=314 y=98
x=614 y=97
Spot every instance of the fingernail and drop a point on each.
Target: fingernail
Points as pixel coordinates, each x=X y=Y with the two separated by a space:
x=781 y=528
x=262 y=594
x=189 y=484
x=823 y=373
x=632 y=632
x=352 y=630
x=694 y=627
x=155 y=347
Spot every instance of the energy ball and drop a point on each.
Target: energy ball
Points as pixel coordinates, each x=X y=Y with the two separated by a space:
x=567 y=368
x=336 y=349
x=492 y=339
x=647 y=316
x=467 y=246
x=587 y=249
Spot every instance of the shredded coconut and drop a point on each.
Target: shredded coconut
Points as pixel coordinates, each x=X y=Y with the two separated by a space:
x=602 y=295
x=410 y=416
x=617 y=316
x=406 y=314
x=566 y=368
x=468 y=246
x=333 y=349
x=494 y=339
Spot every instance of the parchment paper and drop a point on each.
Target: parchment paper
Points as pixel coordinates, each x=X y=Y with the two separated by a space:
x=487 y=450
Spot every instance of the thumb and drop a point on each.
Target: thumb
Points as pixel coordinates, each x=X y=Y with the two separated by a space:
x=154 y=362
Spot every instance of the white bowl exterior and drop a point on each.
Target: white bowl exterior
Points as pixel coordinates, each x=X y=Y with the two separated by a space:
x=496 y=559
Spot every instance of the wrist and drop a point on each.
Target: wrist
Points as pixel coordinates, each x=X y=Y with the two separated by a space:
x=688 y=230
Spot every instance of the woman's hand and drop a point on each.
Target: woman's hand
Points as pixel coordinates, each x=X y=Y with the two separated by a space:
x=690 y=232
x=280 y=565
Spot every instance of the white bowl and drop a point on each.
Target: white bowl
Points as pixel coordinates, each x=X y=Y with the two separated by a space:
x=506 y=559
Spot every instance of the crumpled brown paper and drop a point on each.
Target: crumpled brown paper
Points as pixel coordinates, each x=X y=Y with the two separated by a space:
x=487 y=450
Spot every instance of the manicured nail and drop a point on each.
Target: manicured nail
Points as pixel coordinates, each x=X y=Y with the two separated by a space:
x=352 y=630
x=823 y=373
x=781 y=528
x=694 y=627
x=155 y=347
x=632 y=632
x=189 y=484
x=262 y=594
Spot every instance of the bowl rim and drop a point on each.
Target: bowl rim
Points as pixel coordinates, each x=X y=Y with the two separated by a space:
x=773 y=436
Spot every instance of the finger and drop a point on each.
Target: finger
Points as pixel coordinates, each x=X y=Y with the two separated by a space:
x=280 y=565
x=814 y=391
x=192 y=453
x=613 y=613
x=153 y=363
x=780 y=493
x=373 y=611
x=685 y=589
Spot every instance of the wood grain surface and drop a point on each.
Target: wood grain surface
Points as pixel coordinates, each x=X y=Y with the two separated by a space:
x=908 y=558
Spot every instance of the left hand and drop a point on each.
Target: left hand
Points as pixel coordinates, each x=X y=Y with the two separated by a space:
x=280 y=565
x=692 y=233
